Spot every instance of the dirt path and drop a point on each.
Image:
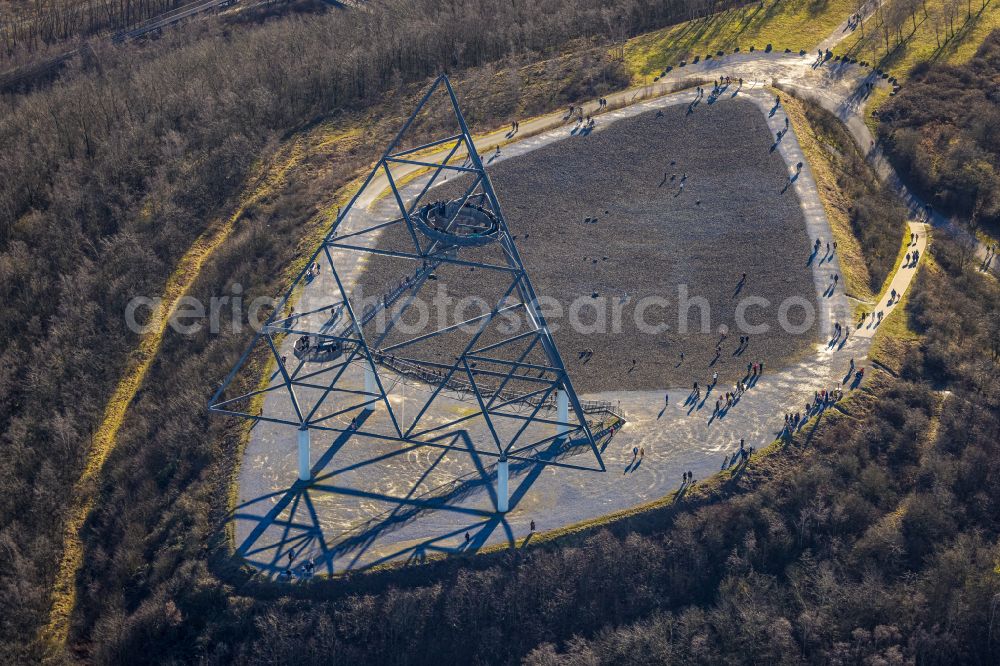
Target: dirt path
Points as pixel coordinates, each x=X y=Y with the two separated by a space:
x=63 y=596
x=898 y=282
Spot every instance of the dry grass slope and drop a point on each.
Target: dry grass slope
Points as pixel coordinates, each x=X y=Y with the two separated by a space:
x=272 y=176
x=782 y=23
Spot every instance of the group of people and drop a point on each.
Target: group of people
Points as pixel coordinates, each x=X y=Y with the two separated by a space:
x=754 y=371
x=303 y=571
x=724 y=81
x=699 y=93
x=730 y=398
x=602 y=103
x=821 y=400
x=313 y=270
x=839 y=330
x=875 y=320
x=390 y=298
x=586 y=120
x=821 y=57
x=740 y=456
x=830 y=249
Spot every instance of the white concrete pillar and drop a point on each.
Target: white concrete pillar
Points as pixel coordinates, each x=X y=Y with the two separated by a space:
x=305 y=464
x=371 y=386
x=562 y=412
x=503 y=497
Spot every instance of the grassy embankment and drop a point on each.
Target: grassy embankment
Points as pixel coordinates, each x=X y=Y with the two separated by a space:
x=781 y=23
x=835 y=174
x=925 y=39
x=895 y=335
x=825 y=163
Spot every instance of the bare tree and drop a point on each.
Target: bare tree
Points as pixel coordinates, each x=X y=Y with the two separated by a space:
x=966 y=243
x=898 y=12
x=884 y=27
x=912 y=6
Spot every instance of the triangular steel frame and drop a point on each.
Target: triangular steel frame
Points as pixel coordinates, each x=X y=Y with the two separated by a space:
x=475 y=365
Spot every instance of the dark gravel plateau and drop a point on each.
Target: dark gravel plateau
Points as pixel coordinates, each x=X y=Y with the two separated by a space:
x=652 y=207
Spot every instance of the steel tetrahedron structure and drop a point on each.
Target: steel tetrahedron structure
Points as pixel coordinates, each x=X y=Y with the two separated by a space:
x=338 y=358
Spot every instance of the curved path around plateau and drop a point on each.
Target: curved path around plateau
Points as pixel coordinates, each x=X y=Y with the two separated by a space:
x=371 y=503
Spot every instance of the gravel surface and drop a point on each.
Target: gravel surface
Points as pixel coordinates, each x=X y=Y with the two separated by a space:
x=648 y=237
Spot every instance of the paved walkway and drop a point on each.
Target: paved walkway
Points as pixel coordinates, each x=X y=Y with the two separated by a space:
x=374 y=501
x=893 y=292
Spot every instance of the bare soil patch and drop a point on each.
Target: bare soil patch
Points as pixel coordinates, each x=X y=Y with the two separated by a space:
x=648 y=238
